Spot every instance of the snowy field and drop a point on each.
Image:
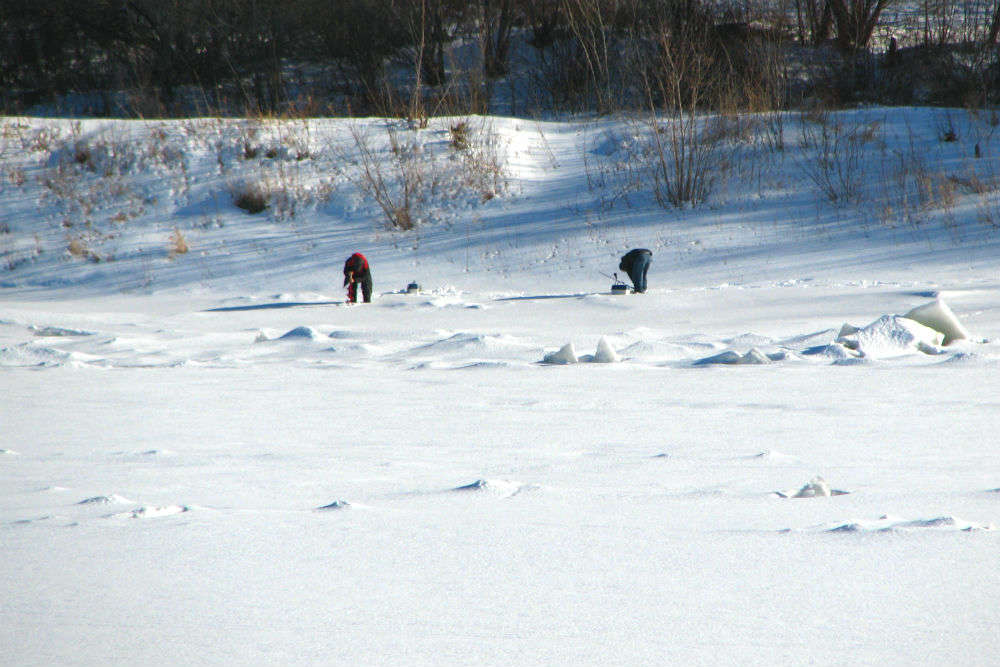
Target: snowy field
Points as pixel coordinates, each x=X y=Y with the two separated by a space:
x=206 y=457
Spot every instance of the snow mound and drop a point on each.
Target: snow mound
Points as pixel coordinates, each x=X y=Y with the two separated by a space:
x=652 y=351
x=152 y=512
x=336 y=505
x=892 y=524
x=815 y=488
x=834 y=351
x=753 y=357
x=27 y=356
x=816 y=339
x=773 y=455
x=465 y=349
x=938 y=316
x=300 y=333
x=924 y=330
x=964 y=357
x=749 y=340
x=565 y=355
x=469 y=342
x=497 y=487
x=890 y=336
x=480 y=364
x=435 y=300
x=113 y=499
x=59 y=332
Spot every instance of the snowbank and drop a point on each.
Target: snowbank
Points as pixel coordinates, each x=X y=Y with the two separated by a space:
x=923 y=329
x=890 y=336
x=891 y=524
x=753 y=357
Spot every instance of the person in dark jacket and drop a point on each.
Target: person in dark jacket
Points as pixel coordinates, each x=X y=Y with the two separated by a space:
x=356 y=271
x=636 y=264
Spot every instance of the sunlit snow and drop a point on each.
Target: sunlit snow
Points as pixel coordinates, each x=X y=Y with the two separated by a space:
x=784 y=452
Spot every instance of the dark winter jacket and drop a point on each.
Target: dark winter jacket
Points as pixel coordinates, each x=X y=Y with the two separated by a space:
x=356 y=265
x=629 y=259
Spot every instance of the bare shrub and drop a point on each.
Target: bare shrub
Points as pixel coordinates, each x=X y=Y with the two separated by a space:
x=938 y=191
x=683 y=157
x=972 y=184
x=946 y=131
x=284 y=179
x=912 y=190
x=482 y=161
x=250 y=196
x=16 y=176
x=685 y=77
x=249 y=139
x=833 y=156
x=40 y=140
x=395 y=184
x=14 y=256
x=459 y=135
x=296 y=138
x=287 y=192
x=79 y=247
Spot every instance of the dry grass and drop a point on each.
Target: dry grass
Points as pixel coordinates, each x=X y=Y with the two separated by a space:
x=177 y=244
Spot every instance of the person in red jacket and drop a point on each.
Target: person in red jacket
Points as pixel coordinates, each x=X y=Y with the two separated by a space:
x=356 y=271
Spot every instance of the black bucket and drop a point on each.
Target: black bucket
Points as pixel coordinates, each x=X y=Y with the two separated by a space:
x=619 y=288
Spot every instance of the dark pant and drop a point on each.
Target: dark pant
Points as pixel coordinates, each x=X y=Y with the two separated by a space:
x=640 y=267
x=366 y=290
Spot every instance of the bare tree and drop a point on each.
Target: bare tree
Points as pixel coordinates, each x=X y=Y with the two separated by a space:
x=496 y=23
x=588 y=23
x=856 y=21
x=814 y=20
x=685 y=80
x=994 y=32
